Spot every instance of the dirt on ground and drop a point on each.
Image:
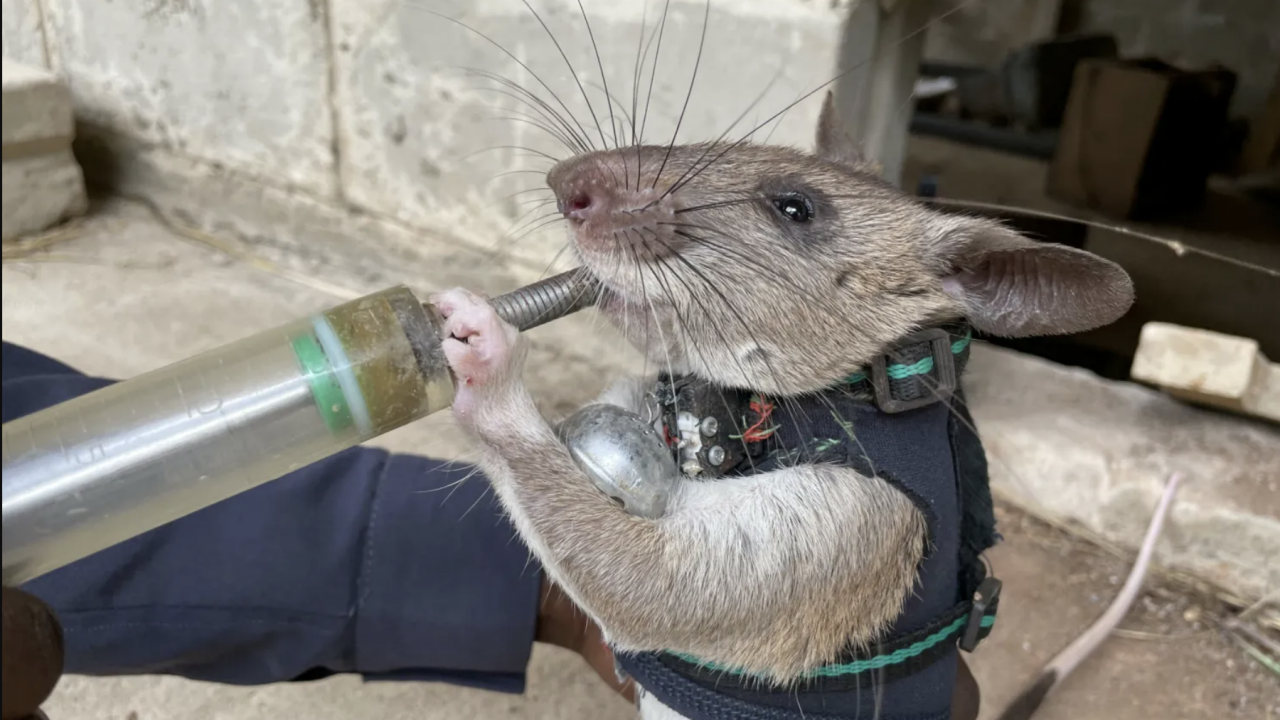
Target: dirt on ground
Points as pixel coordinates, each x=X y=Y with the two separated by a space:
x=1171 y=660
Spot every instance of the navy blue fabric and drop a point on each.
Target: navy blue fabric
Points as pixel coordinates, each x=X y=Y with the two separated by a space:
x=919 y=697
x=913 y=451
x=367 y=562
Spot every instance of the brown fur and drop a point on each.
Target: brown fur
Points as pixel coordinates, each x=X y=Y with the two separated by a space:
x=776 y=572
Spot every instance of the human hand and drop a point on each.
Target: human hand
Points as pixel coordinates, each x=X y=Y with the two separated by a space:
x=561 y=623
x=32 y=653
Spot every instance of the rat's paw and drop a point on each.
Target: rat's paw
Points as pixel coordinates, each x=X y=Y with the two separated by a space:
x=484 y=352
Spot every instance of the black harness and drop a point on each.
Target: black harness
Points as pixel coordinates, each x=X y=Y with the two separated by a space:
x=902 y=419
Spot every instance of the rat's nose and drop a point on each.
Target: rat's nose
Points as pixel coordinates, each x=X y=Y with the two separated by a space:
x=577 y=206
x=584 y=187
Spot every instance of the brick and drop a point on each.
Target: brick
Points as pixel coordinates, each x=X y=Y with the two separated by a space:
x=43 y=183
x=1208 y=368
x=37 y=109
x=40 y=192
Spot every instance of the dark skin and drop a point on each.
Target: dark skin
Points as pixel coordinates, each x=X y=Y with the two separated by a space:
x=965 y=699
x=33 y=652
x=561 y=623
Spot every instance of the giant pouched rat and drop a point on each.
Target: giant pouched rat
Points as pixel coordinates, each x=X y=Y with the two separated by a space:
x=782 y=273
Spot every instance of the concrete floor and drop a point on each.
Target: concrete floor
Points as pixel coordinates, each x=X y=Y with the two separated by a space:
x=123 y=295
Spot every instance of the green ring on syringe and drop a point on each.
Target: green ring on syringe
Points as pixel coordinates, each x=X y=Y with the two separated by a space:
x=344 y=373
x=325 y=390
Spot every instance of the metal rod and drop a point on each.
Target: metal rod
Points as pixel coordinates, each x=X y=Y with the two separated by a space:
x=546 y=300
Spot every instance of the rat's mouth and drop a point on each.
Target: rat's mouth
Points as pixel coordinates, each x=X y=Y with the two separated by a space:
x=621 y=283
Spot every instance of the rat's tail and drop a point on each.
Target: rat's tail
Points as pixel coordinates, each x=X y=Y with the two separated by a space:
x=1030 y=699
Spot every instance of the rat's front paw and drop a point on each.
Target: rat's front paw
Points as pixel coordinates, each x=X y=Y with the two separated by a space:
x=484 y=352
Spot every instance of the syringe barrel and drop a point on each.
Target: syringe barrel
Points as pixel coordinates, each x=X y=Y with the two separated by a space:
x=107 y=466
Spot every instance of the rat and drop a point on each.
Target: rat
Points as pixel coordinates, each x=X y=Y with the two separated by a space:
x=772 y=280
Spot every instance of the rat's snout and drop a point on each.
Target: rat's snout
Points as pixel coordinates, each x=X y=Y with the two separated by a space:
x=605 y=188
x=608 y=203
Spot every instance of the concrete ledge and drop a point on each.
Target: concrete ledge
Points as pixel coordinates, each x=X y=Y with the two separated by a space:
x=1208 y=368
x=43 y=184
x=1096 y=453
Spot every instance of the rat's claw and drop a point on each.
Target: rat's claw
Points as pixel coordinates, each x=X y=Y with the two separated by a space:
x=480 y=347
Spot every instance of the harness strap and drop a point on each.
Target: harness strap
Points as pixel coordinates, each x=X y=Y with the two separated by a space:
x=964 y=626
x=694 y=700
x=921 y=369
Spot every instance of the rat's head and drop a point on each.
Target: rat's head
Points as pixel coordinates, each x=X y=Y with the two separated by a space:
x=782 y=271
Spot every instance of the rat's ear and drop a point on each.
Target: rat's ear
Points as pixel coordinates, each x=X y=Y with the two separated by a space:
x=1011 y=286
x=834 y=144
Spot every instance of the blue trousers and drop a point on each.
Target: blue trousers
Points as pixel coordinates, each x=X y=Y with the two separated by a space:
x=366 y=563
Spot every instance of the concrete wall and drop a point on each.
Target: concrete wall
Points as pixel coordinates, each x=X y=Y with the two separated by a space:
x=264 y=119
x=364 y=105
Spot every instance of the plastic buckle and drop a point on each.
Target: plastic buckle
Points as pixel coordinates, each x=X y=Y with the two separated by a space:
x=987 y=595
x=944 y=366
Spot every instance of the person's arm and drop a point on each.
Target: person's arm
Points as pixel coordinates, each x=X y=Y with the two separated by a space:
x=368 y=562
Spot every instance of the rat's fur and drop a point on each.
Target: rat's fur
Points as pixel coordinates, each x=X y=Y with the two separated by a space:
x=778 y=572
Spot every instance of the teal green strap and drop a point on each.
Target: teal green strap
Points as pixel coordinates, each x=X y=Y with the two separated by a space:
x=964 y=625
x=877 y=662
x=924 y=366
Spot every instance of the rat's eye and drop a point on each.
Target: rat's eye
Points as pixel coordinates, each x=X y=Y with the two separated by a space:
x=795 y=208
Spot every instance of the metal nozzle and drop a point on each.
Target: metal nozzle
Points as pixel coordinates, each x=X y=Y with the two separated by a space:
x=547 y=300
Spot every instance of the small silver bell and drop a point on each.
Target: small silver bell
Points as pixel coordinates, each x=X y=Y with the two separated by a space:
x=624 y=456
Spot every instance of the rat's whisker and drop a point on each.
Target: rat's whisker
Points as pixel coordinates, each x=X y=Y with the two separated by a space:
x=526 y=191
x=813 y=92
x=706 y=19
x=536 y=103
x=515 y=224
x=519 y=116
x=517 y=60
x=653 y=73
x=572 y=72
x=768 y=86
x=692 y=337
x=546 y=117
x=543 y=221
x=603 y=78
x=491 y=148
x=719 y=204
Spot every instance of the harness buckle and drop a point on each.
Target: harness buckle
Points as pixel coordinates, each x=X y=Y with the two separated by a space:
x=984 y=599
x=943 y=364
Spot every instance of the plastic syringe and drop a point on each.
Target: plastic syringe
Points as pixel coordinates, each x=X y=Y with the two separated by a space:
x=107 y=466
